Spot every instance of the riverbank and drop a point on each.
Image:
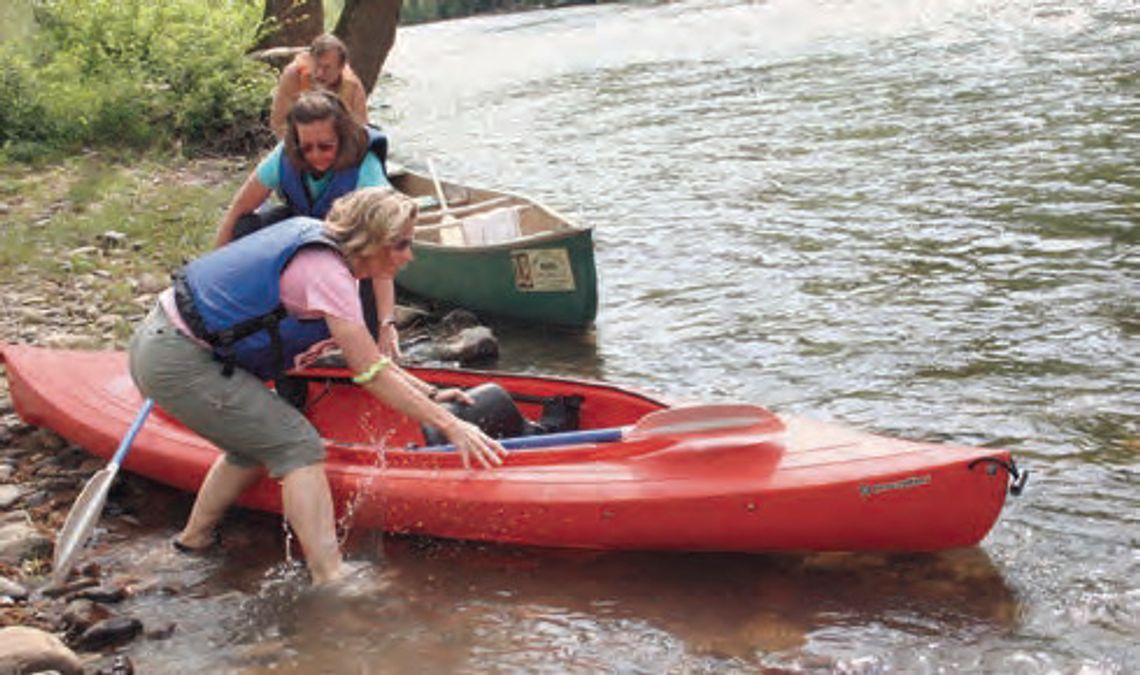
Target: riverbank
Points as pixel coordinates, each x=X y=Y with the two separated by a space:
x=86 y=245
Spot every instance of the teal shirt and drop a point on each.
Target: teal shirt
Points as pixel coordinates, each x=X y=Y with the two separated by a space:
x=269 y=174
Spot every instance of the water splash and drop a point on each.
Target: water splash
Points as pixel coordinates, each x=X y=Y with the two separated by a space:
x=378 y=439
x=288 y=532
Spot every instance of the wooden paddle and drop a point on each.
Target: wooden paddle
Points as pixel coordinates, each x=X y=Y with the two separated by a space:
x=443 y=208
x=447 y=220
x=88 y=506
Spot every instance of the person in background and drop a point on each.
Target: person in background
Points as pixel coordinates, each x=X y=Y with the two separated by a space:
x=189 y=357
x=323 y=66
x=324 y=155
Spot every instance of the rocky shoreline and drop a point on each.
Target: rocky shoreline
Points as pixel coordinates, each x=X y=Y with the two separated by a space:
x=72 y=627
x=78 y=625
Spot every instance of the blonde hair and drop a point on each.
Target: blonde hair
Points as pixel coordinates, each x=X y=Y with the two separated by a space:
x=369 y=218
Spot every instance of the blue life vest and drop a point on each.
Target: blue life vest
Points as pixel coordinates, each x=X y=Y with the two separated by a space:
x=231 y=298
x=294 y=192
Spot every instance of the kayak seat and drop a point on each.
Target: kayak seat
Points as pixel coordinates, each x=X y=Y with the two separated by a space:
x=559 y=413
x=495 y=412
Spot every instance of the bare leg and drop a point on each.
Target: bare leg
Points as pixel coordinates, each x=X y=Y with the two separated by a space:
x=223 y=485
x=309 y=510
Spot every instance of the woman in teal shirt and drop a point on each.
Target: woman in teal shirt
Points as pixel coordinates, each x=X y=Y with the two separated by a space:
x=325 y=155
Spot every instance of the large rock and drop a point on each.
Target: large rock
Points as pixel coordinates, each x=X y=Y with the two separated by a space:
x=472 y=345
x=458 y=336
x=30 y=650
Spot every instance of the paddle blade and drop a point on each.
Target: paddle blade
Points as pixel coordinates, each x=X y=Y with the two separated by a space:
x=80 y=521
x=711 y=417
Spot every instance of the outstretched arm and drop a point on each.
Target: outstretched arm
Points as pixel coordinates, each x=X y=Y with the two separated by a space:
x=407 y=393
x=249 y=196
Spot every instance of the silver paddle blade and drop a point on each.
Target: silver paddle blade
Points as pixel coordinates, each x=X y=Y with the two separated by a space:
x=80 y=521
x=707 y=417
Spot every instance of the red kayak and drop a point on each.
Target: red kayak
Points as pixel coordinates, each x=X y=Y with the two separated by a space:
x=622 y=470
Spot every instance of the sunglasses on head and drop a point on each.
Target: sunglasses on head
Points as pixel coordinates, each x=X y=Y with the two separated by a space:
x=326 y=146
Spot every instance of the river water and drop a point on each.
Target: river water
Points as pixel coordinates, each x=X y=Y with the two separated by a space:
x=916 y=217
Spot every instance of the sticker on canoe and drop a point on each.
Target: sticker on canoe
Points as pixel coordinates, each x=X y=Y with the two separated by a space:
x=904 y=484
x=542 y=269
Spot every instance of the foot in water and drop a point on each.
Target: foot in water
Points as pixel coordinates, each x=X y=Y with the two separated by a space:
x=211 y=544
x=356 y=579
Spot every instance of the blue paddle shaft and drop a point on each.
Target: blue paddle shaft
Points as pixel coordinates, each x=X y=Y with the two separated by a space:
x=129 y=438
x=548 y=440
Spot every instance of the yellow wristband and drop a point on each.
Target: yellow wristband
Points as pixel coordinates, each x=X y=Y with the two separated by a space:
x=372 y=371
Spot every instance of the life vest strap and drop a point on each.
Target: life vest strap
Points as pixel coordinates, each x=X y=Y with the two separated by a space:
x=223 y=341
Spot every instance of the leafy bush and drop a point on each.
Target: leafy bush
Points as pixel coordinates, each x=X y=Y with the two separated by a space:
x=132 y=73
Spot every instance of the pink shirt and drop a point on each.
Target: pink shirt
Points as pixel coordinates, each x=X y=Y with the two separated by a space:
x=316 y=283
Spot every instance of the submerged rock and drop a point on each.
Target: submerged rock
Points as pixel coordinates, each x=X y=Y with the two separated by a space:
x=102 y=593
x=69 y=587
x=161 y=632
x=79 y=615
x=108 y=633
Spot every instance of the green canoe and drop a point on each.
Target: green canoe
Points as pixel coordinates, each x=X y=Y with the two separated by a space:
x=498 y=253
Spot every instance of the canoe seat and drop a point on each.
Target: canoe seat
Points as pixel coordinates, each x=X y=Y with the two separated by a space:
x=492 y=227
x=431 y=218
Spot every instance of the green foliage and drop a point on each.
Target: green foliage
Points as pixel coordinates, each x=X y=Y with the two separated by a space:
x=131 y=73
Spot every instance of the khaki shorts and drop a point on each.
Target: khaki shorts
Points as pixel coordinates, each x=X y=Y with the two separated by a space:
x=239 y=414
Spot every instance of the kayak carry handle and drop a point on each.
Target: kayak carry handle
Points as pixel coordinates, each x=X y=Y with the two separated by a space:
x=1017 y=478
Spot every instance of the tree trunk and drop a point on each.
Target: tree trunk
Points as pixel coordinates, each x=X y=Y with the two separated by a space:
x=368 y=29
x=294 y=23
